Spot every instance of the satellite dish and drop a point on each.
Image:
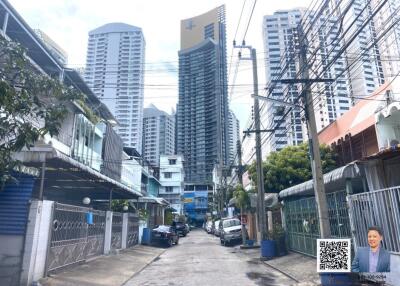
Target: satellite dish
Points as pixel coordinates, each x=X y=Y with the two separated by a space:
x=271 y=200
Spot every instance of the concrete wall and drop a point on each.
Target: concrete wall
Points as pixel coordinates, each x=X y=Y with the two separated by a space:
x=36 y=242
x=11 y=248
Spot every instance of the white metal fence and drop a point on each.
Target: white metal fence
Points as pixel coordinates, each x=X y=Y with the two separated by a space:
x=380 y=208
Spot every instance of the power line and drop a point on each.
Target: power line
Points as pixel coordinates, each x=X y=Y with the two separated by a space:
x=253 y=154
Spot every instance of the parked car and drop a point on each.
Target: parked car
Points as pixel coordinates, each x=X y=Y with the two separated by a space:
x=231 y=230
x=187 y=227
x=217 y=228
x=180 y=228
x=164 y=234
x=209 y=226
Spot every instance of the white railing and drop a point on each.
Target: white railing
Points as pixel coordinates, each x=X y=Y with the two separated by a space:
x=377 y=208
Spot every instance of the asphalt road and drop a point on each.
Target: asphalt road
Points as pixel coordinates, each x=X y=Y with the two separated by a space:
x=199 y=259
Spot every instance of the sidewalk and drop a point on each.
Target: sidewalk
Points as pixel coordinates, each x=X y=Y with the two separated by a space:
x=111 y=270
x=300 y=268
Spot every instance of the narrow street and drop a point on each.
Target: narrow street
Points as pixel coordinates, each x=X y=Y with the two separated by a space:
x=199 y=259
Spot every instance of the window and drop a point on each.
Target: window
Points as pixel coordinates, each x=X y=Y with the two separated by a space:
x=167 y=175
x=169 y=189
x=172 y=161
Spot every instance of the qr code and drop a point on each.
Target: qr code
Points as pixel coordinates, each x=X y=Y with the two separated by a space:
x=333 y=255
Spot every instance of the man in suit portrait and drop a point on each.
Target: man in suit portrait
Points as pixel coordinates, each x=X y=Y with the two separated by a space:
x=373 y=258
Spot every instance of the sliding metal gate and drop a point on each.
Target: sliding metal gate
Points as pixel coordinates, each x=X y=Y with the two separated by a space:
x=303 y=225
x=380 y=208
x=116 y=236
x=133 y=230
x=72 y=240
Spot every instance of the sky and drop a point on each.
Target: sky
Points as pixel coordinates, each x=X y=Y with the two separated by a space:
x=68 y=23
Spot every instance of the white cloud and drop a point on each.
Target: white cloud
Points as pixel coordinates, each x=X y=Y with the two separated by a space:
x=68 y=23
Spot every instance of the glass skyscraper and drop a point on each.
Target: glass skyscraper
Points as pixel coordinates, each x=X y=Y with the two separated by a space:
x=202 y=111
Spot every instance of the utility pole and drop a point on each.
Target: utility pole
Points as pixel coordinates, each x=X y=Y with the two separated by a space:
x=240 y=167
x=316 y=166
x=225 y=192
x=240 y=176
x=260 y=175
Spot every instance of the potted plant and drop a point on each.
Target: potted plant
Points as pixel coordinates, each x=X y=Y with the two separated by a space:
x=268 y=246
x=275 y=244
x=280 y=238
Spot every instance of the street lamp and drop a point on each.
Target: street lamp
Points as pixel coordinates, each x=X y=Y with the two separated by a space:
x=86 y=201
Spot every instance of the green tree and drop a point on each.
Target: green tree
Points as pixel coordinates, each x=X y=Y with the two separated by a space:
x=118 y=205
x=32 y=104
x=243 y=202
x=242 y=198
x=291 y=166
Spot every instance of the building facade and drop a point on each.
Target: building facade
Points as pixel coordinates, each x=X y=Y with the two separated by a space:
x=158 y=134
x=234 y=136
x=115 y=73
x=172 y=180
x=202 y=112
x=281 y=45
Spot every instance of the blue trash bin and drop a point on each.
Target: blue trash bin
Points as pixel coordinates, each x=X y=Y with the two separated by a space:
x=268 y=248
x=89 y=218
x=250 y=242
x=146 y=237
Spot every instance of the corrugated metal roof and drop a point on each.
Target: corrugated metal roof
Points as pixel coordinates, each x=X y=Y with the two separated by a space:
x=351 y=170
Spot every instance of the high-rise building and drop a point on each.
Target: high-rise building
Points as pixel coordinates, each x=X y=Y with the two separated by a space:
x=389 y=44
x=53 y=47
x=234 y=136
x=365 y=74
x=115 y=73
x=202 y=111
x=281 y=45
x=158 y=134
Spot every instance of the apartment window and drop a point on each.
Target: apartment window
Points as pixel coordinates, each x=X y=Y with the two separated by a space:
x=169 y=189
x=172 y=161
x=167 y=175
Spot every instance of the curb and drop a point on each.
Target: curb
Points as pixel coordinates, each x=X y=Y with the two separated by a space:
x=279 y=270
x=144 y=266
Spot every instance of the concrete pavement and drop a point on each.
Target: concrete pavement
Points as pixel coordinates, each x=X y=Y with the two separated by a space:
x=111 y=270
x=300 y=268
x=199 y=259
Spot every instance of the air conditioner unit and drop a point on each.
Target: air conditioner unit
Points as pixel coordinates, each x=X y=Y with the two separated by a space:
x=271 y=200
